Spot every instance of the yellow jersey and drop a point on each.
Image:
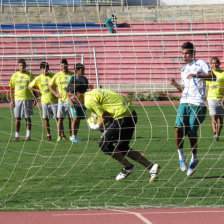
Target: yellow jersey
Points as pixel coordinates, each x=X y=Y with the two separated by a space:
x=42 y=82
x=60 y=79
x=20 y=81
x=216 y=88
x=102 y=100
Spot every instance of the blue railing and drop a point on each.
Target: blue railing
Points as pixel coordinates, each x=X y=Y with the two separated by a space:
x=59 y=2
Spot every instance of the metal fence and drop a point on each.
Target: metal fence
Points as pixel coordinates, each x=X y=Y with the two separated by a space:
x=60 y=2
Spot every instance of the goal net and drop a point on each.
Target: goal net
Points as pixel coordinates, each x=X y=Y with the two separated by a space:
x=136 y=60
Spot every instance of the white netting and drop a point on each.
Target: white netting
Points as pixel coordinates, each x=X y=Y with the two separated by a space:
x=139 y=58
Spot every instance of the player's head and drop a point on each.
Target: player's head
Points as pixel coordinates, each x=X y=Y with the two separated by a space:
x=76 y=91
x=44 y=67
x=22 y=65
x=188 y=52
x=215 y=63
x=79 y=69
x=64 y=65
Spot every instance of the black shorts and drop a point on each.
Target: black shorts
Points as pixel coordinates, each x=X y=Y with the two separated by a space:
x=118 y=134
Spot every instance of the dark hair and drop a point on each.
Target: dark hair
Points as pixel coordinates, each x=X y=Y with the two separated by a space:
x=64 y=61
x=23 y=61
x=188 y=46
x=76 y=87
x=216 y=59
x=44 y=65
x=79 y=66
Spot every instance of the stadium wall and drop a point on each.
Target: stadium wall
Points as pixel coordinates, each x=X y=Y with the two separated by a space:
x=181 y=13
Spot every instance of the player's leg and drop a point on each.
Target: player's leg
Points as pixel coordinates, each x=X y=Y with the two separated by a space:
x=197 y=116
x=219 y=126
x=181 y=124
x=28 y=112
x=46 y=113
x=18 y=114
x=61 y=113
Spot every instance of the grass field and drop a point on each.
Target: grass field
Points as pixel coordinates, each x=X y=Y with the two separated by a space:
x=40 y=175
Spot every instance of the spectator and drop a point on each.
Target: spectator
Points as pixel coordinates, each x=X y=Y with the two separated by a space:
x=110 y=23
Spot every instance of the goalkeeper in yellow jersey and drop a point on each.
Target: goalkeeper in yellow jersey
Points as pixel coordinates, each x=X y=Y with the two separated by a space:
x=21 y=98
x=48 y=100
x=118 y=110
x=216 y=97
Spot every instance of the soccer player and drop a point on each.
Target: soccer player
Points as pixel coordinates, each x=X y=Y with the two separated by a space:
x=117 y=110
x=77 y=112
x=216 y=98
x=60 y=80
x=48 y=100
x=21 y=98
x=192 y=109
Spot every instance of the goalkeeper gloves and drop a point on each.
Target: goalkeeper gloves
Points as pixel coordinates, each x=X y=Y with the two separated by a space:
x=93 y=126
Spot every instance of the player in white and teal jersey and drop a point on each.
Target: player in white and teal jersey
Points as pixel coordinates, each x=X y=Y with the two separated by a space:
x=192 y=109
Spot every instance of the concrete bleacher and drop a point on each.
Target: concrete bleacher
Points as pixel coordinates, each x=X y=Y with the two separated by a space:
x=125 y=63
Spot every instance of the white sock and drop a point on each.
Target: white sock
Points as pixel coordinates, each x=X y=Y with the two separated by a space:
x=28 y=133
x=193 y=157
x=16 y=134
x=74 y=136
x=181 y=154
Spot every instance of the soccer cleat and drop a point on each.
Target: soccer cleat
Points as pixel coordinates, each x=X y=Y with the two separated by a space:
x=59 y=139
x=15 y=139
x=125 y=173
x=27 y=138
x=192 y=167
x=154 y=172
x=75 y=140
x=183 y=166
x=70 y=138
x=216 y=137
x=48 y=138
x=63 y=138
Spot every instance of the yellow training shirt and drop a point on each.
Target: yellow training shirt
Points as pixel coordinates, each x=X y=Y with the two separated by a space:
x=102 y=100
x=60 y=79
x=42 y=82
x=216 y=88
x=20 y=81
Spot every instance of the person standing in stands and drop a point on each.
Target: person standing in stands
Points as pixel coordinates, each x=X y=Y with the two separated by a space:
x=21 y=98
x=110 y=23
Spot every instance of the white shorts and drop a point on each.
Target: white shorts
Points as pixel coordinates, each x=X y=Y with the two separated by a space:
x=215 y=107
x=49 y=110
x=62 y=109
x=23 y=108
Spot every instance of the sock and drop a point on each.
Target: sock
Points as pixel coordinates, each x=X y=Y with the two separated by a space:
x=16 y=134
x=28 y=133
x=193 y=157
x=48 y=135
x=181 y=154
x=74 y=136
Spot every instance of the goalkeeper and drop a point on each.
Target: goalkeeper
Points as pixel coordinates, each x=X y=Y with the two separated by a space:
x=114 y=142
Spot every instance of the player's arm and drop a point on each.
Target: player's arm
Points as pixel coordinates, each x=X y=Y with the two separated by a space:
x=209 y=77
x=105 y=118
x=11 y=94
x=58 y=95
x=176 y=85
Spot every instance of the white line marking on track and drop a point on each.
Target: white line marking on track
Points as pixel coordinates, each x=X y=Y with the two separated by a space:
x=140 y=216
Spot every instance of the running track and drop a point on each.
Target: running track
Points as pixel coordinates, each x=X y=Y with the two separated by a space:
x=138 y=216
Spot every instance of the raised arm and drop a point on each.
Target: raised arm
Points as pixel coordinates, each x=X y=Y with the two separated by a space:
x=175 y=84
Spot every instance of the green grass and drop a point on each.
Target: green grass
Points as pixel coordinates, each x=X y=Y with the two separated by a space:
x=41 y=175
